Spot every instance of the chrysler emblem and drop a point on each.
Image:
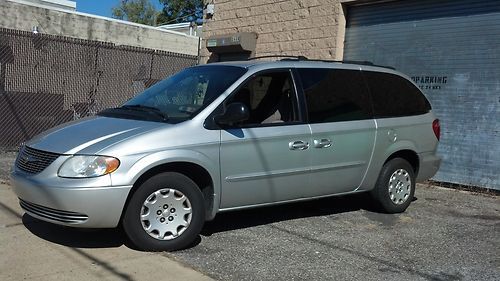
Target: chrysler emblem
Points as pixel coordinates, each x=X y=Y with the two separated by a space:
x=29 y=158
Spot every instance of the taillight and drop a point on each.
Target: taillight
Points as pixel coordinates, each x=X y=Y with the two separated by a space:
x=436 y=127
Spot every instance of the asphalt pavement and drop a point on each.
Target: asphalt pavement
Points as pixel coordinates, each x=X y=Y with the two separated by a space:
x=445 y=235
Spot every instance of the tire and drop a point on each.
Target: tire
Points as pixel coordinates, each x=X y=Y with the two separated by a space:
x=395 y=186
x=166 y=213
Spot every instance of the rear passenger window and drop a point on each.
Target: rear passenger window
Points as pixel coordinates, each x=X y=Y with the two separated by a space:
x=334 y=95
x=395 y=96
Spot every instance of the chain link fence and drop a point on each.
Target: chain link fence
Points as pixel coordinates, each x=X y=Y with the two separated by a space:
x=46 y=80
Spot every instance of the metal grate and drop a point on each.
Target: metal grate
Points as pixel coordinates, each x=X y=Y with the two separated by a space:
x=33 y=161
x=46 y=80
x=52 y=214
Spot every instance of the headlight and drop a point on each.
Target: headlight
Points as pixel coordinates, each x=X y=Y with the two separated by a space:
x=88 y=166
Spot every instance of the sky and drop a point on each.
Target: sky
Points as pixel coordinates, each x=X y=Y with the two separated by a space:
x=102 y=7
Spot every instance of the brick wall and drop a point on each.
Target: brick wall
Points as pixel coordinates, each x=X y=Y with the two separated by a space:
x=314 y=28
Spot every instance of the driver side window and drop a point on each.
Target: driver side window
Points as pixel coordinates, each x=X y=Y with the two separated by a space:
x=270 y=98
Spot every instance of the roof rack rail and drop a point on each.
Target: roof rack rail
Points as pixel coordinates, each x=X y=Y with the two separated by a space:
x=303 y=58
x=368 y=63
x=280 y=56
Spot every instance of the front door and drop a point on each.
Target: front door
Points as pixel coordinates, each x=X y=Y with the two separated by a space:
x=266 y=158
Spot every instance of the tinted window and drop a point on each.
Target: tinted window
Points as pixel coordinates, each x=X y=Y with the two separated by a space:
x=335 y=95
x=270 y=98
x=395 y=96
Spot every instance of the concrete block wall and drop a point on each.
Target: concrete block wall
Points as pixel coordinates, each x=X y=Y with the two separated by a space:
x=314 y=28
x=84 y=26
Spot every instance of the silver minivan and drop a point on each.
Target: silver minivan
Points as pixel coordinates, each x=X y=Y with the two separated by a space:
x=229 y=136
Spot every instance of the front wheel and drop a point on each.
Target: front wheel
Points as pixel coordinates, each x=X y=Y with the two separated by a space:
x=165 y=213
x=395 y=186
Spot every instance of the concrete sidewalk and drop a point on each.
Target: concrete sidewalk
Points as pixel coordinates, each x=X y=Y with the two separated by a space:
x=35 y=250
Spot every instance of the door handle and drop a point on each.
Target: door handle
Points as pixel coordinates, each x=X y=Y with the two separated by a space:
x=323 y=143
x=298 y=145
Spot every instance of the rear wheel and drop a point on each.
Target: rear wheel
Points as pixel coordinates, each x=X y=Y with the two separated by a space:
x=395 y=186
x=165 y=213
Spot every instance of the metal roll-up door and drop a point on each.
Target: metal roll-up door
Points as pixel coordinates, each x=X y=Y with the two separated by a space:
x=451 y=49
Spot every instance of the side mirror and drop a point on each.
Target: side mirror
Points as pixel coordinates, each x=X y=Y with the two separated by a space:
x=234 y=113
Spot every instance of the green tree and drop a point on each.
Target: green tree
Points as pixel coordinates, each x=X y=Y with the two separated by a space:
x=139 y=11
x=176 y=11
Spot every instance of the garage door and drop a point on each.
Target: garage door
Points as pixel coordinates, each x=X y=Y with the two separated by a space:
x=451 y=49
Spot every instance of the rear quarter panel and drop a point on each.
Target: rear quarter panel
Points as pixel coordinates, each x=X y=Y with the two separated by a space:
x=400 y=133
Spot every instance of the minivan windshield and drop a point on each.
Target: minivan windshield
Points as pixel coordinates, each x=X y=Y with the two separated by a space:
x=179 y=97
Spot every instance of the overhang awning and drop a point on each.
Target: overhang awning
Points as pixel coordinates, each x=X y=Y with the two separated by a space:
x=232 y=43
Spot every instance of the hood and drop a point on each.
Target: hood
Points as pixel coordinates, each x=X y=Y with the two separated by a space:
x=90 y=135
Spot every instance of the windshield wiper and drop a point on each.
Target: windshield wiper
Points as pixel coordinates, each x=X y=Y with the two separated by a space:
x=145 y=108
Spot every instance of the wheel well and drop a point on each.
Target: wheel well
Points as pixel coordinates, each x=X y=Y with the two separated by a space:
x=408 y=155
x=193 y=171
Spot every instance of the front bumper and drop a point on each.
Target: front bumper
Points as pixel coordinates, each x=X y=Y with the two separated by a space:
x=89 y=207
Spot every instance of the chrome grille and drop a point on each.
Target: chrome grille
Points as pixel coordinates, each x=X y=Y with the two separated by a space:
x=34 y=161
x=52 y=214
